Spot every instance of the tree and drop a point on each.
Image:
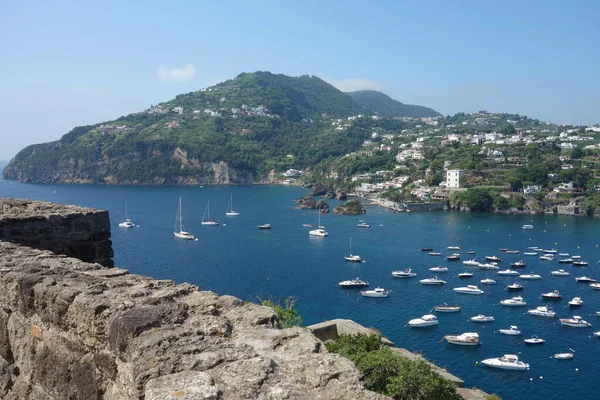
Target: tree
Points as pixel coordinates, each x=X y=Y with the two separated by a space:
x=287 y=315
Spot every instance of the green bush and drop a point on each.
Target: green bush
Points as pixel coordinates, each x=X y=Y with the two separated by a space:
x=286 y=314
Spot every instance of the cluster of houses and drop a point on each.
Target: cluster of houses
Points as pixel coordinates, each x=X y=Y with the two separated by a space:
x=112 y=129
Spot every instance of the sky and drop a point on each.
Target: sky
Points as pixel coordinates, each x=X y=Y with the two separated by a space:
x=66 y=63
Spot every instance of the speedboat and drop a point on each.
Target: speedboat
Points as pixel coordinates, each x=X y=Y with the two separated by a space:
x=552 y=251
x=585 y=279
x=377 y=292
x=512 y=251
x=503 y=249
x=547 y=257
x=487 y=281
x=527 y=227
x=507 y=361
x=434 y=253
x=534 y=340
x=453 y=257
x=472 y=263
x=471 y=252
x=515 y=286
x=482 y=318
x=576 y=257
x=446 y=308
x=491 y=265
x=453 y=248
x=432 y=281
x=465 y=275
x=553 y=295
x=542 y=311
x=576 y=322
x=264 y=226
x=464 y=339
x=353 y=258
x=597 y=313
x=439 y=268
x=493 y=258
x=356 y=282
x=565 y=356
x=580 y=263
x=512 y=331
x=426 y=248
x=530 y=276
x=469 y=289
x=321 y=232
x=530 y=253
x=363 y=225
x=597 y=334
x=508 y=272
x=560 y=272
x=405 y=273
x=563 y=254
x=425 y=320
x=516 y=301
x=518 y=264
x=576 y=302
x=565 y=261
x=595 y=286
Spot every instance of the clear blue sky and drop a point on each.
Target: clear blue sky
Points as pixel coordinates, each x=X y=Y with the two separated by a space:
x=67 y=63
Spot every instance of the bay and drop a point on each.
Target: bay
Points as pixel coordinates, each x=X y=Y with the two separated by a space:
x=238 y=259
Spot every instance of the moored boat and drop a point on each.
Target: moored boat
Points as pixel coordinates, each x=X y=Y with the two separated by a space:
x=516 y=301
x=464 y=339
x=530 y=276
x=426 y=248
x=453 y=248
x=473 y=263
x=595 y=286
x=507 y=361
x=432 y=253
x=432 y=281
x=508 y=272
x=491 y=265
x=530 y=253
x=514 y=287
x=553 y=295
x=565 y=261
x=487 y=281
x=527 y=227
x=469 y=289
x=425 y=320
x=560 y=272
x=534 y=340
x=405 y=273
x=377 y=292
x=585 y=279
x=542 y=311
x=356 y=282
x=580 y=263
x=512 y=251
x=576 y=302
x=465 y=275
x=513 y=330
x=446 y=308
x=439 y=268
x=518 y=264
x=565 y=356
x=264 y=226
x=453 y=257
x=482 y=318
x=493 y=258
x=575 y=322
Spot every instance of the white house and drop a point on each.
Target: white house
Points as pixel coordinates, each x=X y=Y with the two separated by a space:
x=453 y=177
x=530 y=190
x=292 y=173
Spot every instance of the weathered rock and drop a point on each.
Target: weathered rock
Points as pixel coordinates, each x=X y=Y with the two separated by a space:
x=352 y=207
x=188 y=385
x=306 y=203
x=341 y=195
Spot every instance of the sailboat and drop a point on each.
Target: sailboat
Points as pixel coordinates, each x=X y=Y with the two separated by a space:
x=352 y=257
x=320 y=231
x=178 y=229
x=230 y=212
x=127 y=223
x=206 y=217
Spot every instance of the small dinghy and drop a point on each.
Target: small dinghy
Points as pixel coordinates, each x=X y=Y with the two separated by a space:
x=534 y=340
x=565 y=356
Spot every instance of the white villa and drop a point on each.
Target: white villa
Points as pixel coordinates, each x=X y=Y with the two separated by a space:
x=453 y=178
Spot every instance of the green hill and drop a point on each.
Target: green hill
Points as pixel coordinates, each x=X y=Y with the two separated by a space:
x=385 y=106
x=234 y=132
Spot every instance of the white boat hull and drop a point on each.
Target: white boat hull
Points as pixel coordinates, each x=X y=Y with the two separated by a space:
x=183 y=235
x=507 y=366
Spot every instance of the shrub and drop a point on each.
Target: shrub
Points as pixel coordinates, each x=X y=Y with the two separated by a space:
x=287 y=315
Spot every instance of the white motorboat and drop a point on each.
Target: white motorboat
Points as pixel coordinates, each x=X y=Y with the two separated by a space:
x=432 y=281
x=530 y=276
x=425 y=320
x=487 y=281
x=464 y=339
x=356 y=282
x=178 y=230
x=597 y=334
x=127 y=223
x=513 y=251
x=405 y=273
x=439 y=268
x=513 y=330
x=307 y=225
x=206 y=219
x=465 y=275
x=516 y=301
x=230 y=212
x=482 y=318
x=534 y=340
x=507 y=361
x=469 y=289
x=565 y=261
x=453 y=248
x=508 y=272
x=576 y=302
x=553 y=295
x=518 y=264
x=320 y=231
x=264 y=226
x=491 y=265
x=445 y=308
x=377 y=292
x=595 y=286
x=579 y=263
x=352 y=257
x=576 y=322
x=565 y=356
x=493 y=258
x=472 y=263
x=563 y=254
x=434 y=253
x=363 y=225
x=453 y=257
x=527 y=227
x=542 y=311
x=597 y=313
x=530 y=253
x=560 y=272
x=515 y=286
x=551 y=251
x=585 y=279
x=471 y=252
x=576 y=257
x=547 y=257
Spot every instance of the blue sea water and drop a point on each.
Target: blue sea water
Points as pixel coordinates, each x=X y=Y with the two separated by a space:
x=236 y=258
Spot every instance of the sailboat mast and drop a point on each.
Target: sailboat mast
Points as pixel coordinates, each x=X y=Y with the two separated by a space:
x=180 y=216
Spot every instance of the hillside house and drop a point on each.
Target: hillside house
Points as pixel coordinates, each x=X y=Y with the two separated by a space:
x=453 y=177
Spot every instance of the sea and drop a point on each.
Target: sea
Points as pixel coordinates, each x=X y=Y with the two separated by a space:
x=237 y=258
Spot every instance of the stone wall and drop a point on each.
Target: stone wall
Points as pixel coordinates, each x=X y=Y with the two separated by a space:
x=79 y=232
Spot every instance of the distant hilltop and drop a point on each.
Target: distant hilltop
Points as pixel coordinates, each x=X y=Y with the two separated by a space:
x=235 y=132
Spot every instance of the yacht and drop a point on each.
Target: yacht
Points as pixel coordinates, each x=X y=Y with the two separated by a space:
x=472 y=263
x=453 y=248
x=264 y=226
x=516 y=301
x=178 y=230
x=530 y=253
x=576 y=302
x=491 y=265
x=469 y=289
x=576 y=322
x=542 y=311
x=563 y=254
x=482 y=318
x=512 y=251
x=320 y=231
x=356 y=282
x=445 y=308
x=597 y=334
x=515 y=286
x=230 y=211
x=377 y=292
x=432 y=253
x=471 y=252
x=405 y=273
x=465 y=275
x=585 y=279
x=487 y=281
x=576 y=257
x=352 y=257
x=553 y=295
x=127 y=223
x=513 y=330
x=432 y=281
x=552 y=251
x=580 y=263
x=518 y=264
x=534 y=340
x=493 y=258
x=464 y=339
x=547 y=257
x=425 y=320
x=595 y=286
x=527 y=227
x=560 y=272
x=439 y=268
x=453 y=257
x=362 y=224
x=507 y=361
x=530 y=276
x=508 y=272
x=565 y=261
x=206 y=219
